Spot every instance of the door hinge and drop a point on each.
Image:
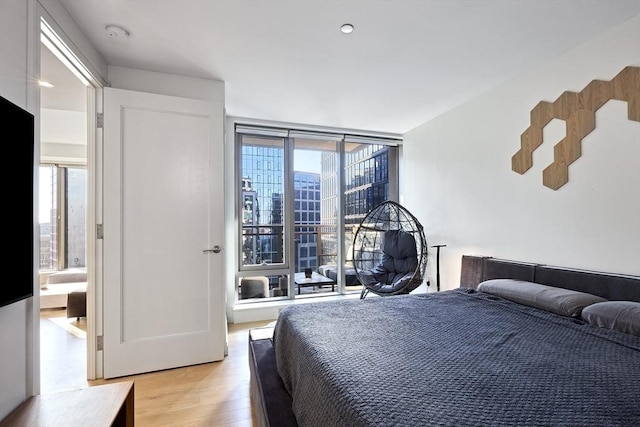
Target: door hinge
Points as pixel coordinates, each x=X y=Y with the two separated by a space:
x=100 y=120
x=99 y=343
x=99 y=231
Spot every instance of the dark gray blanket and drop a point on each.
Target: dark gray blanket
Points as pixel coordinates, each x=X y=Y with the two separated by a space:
x=454 y=358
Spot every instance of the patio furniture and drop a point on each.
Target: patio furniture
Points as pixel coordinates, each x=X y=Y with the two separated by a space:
x=315 y=280
x=254 y=287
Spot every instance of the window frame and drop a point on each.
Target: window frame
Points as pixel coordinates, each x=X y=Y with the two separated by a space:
x=62 y=216
x=288 y=136
x=239 y=200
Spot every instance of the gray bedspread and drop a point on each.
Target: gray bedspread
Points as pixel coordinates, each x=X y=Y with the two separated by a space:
x=454 y=358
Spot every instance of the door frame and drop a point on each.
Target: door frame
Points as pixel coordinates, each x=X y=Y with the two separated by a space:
x=47 y=27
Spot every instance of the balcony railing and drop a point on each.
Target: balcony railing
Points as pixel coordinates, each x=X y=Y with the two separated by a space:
x=265 y=244
x=262 y=244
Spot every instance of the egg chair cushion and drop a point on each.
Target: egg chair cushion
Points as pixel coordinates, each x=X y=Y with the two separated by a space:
x=399 y=253
x=395 y=272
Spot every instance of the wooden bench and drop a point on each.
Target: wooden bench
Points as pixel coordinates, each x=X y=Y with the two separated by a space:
x=98 y=406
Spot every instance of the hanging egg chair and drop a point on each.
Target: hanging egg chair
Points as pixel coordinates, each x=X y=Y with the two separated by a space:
x=389 y=251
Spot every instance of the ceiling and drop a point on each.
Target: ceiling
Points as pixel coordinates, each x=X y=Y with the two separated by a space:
x=405 y=63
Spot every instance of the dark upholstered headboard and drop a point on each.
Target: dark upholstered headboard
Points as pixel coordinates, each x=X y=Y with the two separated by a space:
x=476 y=269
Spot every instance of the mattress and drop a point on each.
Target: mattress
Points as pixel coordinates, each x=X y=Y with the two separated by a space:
x=453 y=358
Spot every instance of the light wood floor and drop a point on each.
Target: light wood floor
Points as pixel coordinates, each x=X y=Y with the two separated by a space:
x=212 y=394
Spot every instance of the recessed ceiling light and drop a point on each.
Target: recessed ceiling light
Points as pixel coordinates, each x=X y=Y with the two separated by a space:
x=44 y=83
x=346 y=28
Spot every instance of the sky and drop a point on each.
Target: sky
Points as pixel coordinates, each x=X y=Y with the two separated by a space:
x=306 y=161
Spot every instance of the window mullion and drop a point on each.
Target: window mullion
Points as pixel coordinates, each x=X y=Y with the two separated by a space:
x=340 y=226
x=61 y=217
x=289 y=208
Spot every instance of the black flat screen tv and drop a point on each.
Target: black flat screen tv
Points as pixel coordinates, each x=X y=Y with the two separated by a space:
x=19 y=139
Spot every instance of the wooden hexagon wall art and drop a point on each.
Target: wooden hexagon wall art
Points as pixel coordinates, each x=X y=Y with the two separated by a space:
x=578 y=110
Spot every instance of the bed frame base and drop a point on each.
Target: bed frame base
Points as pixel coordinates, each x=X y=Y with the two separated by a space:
x=270 y=400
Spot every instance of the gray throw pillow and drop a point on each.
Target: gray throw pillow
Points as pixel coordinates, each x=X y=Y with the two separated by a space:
x=564 y=302
x=622 y=316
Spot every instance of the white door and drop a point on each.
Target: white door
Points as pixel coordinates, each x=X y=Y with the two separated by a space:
x=163 y=226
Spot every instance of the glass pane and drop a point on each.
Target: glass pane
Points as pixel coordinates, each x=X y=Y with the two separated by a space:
x=315 y=178
x=75 y=217
x=47 y=217
x=370 y=179
x=262 y=200
x=69 y=218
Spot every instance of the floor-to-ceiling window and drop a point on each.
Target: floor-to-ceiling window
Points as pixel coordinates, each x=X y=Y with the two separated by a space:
x=300 y=193
x=62 y=217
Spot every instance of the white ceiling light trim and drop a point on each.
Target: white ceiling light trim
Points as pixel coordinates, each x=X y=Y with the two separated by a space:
x=346 y=28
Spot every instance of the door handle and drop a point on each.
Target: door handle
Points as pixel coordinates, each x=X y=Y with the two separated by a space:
x=216 y=249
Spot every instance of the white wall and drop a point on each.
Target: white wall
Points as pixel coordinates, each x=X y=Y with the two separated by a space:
x=19 y=70
x=63 y=136
x=17 y=353
x=166 y=84
x=457 y=176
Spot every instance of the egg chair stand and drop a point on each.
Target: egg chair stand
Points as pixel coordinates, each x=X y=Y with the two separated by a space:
x=437 y=265
x=389 y=251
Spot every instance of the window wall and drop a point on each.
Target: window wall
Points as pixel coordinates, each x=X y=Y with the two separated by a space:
x=62 y=217
x=299 y=196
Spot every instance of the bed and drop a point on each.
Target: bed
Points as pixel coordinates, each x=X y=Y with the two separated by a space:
x=471 y=356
